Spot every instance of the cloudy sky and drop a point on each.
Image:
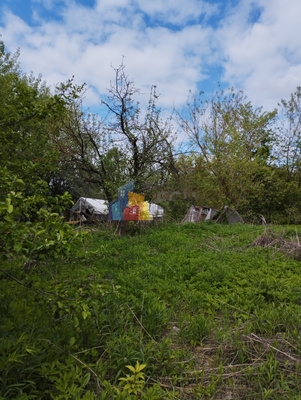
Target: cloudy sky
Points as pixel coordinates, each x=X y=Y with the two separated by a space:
x=177 y=45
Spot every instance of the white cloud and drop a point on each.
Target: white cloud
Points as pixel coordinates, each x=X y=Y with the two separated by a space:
x=89 y=42
x=264 y=58
x=257 y=43
x=176 y=12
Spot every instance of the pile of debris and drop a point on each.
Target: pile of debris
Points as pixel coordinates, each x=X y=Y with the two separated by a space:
x=291 y=247
x=199 y=214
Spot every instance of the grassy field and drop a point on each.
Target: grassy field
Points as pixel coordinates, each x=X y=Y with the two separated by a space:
x=209 y=312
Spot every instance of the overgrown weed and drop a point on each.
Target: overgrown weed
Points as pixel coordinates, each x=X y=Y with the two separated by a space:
x=209 y=315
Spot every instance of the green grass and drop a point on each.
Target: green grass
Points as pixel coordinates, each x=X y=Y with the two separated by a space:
x=211 y=317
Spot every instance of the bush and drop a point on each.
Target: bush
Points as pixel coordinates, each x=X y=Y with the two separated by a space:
x=31 y=227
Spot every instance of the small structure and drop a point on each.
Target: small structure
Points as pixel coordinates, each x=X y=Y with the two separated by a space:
x=229 y=215
x=86 y=209
x=156 y=211
x=130 y=206
x=199 y=214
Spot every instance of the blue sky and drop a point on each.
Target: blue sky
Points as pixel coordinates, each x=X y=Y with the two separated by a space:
x=176 y=45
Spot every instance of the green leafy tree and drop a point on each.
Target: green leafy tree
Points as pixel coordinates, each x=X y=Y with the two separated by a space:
x=233 y=140
x=276 y=189
x=31 y=225
x=288 y=151
x=273 y=196
x=27 y=115
x=192 y=184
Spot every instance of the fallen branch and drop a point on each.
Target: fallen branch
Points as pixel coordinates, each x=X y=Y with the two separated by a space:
x=262 y=341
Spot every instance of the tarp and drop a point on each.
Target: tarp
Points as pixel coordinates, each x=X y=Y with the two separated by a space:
x=155 y=210
x=230 y=216
x=199 y=214
x=90 y=206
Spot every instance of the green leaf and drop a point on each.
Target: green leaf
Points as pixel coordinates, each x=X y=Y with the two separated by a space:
x=139 y=367
x=131 y=368
x=85 y=314
x=86 y=379
x=29 y=350
x=72 y=341
x=76 y=321
x=17 y=247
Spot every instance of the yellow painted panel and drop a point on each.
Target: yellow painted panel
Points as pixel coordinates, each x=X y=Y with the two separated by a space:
x=135 y=199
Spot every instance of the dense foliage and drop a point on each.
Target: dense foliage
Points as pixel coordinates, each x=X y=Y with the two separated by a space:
x=239 y=155
x=27 y=116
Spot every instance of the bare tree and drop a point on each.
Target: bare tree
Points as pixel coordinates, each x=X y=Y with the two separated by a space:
x=145 y=140
x=125 y=145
